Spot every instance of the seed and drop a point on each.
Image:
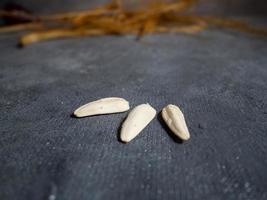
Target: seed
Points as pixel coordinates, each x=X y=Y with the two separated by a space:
x=174 y=118
x=103 y=106
x=136 y=121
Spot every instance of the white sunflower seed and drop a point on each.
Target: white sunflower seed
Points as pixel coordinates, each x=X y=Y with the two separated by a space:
x=103 y=106
x=136 y=121
x=174 y=118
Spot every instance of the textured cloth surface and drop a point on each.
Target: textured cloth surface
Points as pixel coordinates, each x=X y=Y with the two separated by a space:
x=219 y=79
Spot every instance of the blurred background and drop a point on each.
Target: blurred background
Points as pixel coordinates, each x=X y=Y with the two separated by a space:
x=218 y=7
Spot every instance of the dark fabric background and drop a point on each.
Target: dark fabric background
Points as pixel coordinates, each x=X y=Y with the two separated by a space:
x=218 y=78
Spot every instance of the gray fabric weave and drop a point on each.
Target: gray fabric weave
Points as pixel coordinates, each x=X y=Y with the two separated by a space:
x=218 y=78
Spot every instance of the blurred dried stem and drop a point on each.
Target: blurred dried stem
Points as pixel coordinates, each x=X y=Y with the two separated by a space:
x=113 y=18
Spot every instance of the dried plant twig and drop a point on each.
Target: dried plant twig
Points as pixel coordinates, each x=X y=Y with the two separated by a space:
x=114 y=18
x=54 y=34
x=21 y=27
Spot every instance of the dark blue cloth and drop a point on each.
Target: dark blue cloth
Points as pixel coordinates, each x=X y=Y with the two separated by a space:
x=218 y=78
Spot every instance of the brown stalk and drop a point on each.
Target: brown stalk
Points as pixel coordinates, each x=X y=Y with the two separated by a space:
x=113 y=18
x=82 y=14
x=54 y=34
x=21 y=27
